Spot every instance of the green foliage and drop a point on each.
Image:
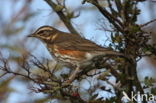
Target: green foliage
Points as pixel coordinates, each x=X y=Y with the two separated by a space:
x=153 y=91
x=127 y=37
x=148 y=81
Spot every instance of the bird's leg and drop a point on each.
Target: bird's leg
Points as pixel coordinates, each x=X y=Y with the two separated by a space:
x=73 y=75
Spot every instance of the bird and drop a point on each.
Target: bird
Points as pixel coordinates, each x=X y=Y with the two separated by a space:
x=70 y=49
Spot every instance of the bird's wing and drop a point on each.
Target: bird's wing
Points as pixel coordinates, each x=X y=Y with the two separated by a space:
x=74 y=42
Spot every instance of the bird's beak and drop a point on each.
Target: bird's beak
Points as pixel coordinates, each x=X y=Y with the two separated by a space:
x=31 y=35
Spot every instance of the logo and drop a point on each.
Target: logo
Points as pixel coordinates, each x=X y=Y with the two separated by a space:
x=138 y=97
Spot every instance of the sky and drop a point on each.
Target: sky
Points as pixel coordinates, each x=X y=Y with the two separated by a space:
x=91 y=31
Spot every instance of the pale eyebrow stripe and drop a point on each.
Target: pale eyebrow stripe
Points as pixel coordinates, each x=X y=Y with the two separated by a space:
x=41 y=31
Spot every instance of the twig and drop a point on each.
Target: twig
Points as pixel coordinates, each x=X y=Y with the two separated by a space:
x=148 y=23
x=114 y=86
x=113 y=20
x=62 y=16
x=3 y=74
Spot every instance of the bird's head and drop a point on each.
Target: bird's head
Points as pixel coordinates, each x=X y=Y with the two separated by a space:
x=44 y=33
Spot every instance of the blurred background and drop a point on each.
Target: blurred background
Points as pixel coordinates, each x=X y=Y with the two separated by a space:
x=21 y=17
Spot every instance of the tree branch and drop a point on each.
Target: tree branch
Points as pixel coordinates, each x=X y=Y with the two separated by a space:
x=67 y=21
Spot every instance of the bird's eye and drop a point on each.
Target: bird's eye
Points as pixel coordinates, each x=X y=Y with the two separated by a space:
x=44 y=33
x=40 y=32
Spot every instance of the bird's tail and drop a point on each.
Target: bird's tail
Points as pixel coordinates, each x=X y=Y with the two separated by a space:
x=111 y=53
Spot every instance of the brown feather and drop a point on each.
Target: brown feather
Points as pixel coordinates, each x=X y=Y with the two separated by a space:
x=68 y=41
